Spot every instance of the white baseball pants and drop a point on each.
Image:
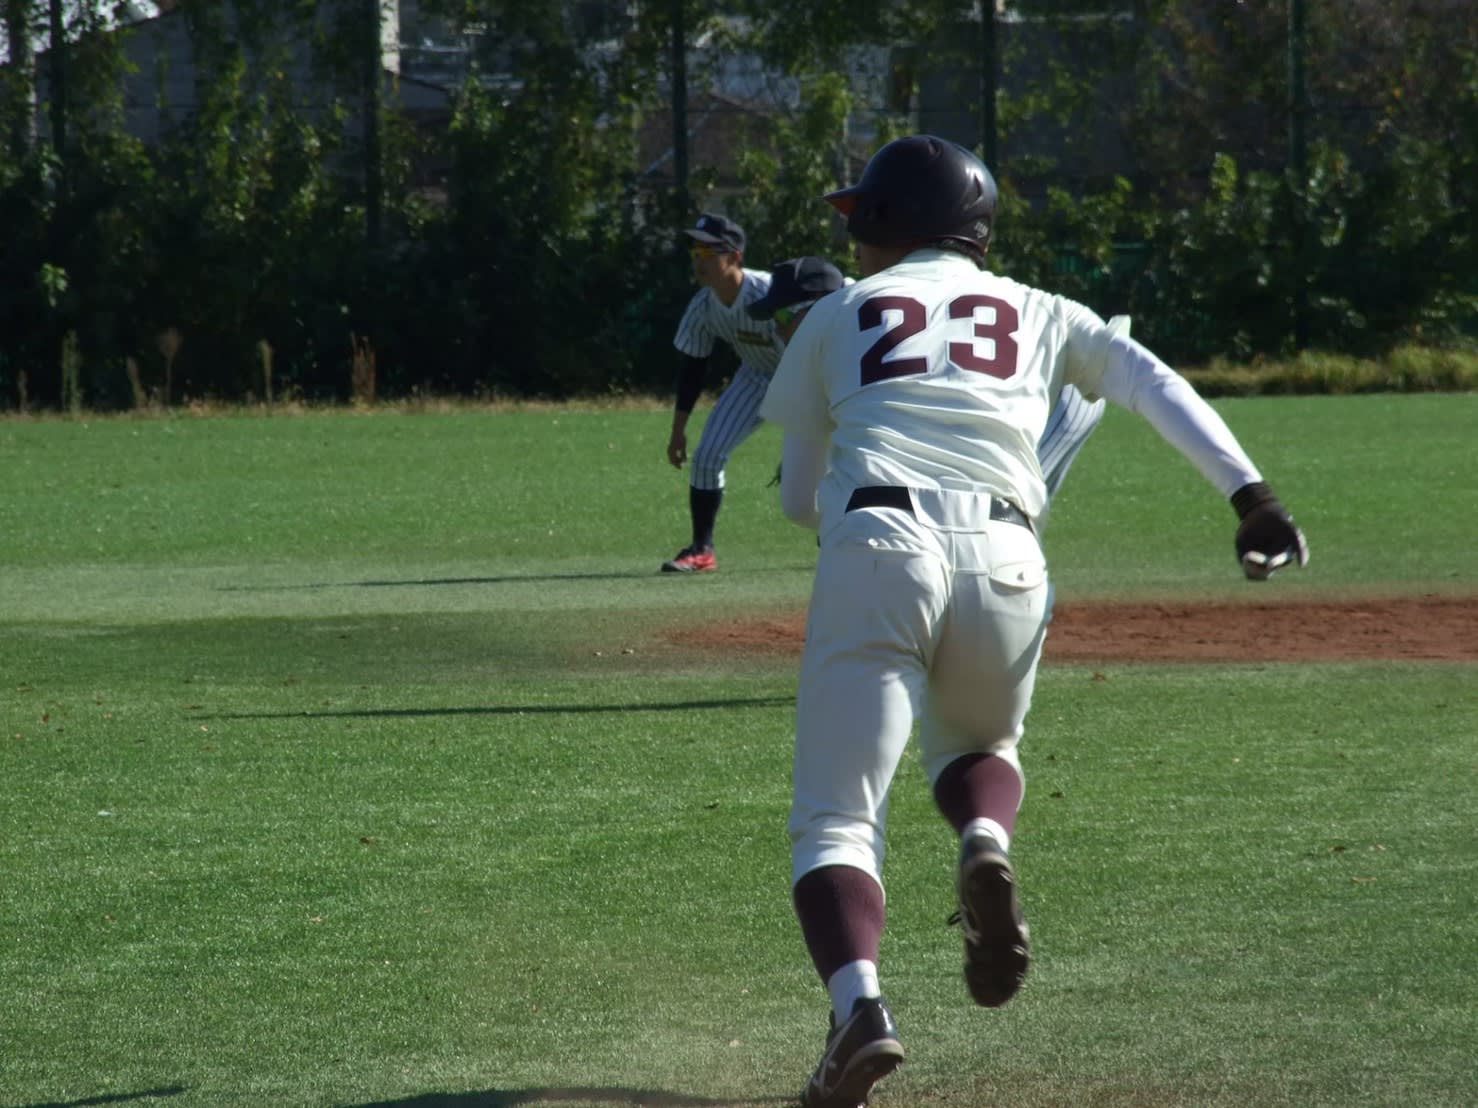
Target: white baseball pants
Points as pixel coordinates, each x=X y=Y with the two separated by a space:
x=936 y=616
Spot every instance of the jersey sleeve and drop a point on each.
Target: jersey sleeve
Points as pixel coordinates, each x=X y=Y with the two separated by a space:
x=690 y=383
x=803 y=464
x=1134 y=378
x=694 y=337
x=1086 y=350
x=796 y=398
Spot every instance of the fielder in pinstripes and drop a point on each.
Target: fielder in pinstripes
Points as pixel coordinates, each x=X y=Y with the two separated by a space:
x=1073 y=419
x=719 y=311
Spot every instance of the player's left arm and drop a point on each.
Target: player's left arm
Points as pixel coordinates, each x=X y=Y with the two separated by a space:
x=1132 y=376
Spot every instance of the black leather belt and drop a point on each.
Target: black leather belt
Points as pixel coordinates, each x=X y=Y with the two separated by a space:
x=896 y=496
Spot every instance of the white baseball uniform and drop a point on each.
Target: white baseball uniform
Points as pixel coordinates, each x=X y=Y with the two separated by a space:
x=928 y=386
x=735 y=414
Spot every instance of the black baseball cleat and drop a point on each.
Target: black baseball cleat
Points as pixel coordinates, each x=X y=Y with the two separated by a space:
x=997 y=941
x=859 y=1054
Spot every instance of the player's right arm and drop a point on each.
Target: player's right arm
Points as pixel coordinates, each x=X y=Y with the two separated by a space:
x=690 y=377
x=694 y=340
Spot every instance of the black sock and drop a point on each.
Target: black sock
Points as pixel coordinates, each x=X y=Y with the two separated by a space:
x=703 y=506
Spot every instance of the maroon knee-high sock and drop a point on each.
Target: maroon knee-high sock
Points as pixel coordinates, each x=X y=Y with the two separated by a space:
x=841 y=912
x=979 y=786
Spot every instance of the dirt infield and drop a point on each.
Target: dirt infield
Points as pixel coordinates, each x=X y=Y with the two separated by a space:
x=1426 y=628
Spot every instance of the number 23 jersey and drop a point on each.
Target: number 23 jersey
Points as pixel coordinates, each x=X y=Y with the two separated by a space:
x=935 y=374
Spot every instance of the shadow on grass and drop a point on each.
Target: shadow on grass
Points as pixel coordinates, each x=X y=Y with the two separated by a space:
x=115 y=1098
x=517 y=709
x=510 y=1098
x=411 y=582
x=510 y=579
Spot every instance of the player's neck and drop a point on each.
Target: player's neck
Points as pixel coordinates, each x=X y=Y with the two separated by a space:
x=874 y=259
x=726 y=286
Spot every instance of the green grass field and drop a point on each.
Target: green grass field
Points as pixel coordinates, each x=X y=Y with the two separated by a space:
x=358 y=760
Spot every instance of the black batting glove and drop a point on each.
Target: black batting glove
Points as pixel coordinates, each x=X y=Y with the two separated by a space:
x=1267 y=538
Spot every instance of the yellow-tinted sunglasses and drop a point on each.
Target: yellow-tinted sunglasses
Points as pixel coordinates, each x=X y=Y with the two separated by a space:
x=707 y=250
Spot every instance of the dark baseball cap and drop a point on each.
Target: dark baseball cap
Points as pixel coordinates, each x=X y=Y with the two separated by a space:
x=795 y=282
x=718 y=230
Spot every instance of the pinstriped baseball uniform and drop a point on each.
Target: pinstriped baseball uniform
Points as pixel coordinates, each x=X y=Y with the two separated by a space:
x=1068 y=428
x=1072 y=420
x=735 y=414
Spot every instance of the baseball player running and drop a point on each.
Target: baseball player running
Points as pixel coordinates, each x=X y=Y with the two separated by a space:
x=718 y=311
x=912 y=402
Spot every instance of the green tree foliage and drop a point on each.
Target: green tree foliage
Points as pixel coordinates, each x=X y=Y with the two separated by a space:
x=819 y=34
x=1143 y=163
x=1377 y=237
x=72 y=235
x=780 y=209
x=251 y=223
x=553 y=268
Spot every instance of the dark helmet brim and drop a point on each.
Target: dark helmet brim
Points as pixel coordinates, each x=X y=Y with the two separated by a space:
x=843 y=200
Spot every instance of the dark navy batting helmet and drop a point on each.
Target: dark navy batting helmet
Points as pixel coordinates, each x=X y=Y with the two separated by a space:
x=920 y=189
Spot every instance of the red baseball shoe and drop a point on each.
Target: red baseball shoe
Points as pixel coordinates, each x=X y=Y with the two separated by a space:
x=692 y=559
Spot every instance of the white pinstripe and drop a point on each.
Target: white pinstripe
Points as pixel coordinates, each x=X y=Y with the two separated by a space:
x=1070 y=423
x=708 y=320
x=735 y=416
x=1068 y=428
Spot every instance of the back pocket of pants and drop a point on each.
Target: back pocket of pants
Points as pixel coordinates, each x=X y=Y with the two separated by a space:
x=1019 y=576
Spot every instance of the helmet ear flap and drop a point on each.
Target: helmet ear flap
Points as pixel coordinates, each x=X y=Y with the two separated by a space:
x=878 y=211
